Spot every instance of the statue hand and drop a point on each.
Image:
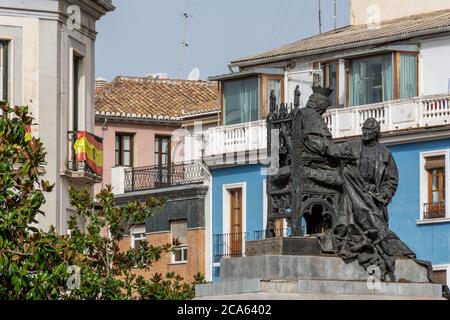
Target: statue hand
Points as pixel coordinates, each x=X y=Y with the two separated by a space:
x=381 y=197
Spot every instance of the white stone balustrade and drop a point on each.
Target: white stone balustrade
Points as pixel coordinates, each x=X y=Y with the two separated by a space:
x=250 y=136
x=425 y=111
x=395 y=115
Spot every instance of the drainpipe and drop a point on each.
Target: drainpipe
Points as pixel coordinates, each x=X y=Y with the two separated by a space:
x=103 y=139
x=286 y=82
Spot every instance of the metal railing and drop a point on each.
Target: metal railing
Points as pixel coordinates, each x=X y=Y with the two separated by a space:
x=434 y=210
x=159 y=177
x=229 y=244
x=233 y=244
x=279 y=233
x=72 y=163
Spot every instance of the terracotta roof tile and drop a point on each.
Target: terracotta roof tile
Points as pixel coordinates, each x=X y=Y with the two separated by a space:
x=136 y=97
x=356 y=36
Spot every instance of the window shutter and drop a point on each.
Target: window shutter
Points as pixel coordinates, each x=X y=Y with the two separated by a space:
x=435 y=163
x=138 y=229
x=179 y=230
x=440 y=276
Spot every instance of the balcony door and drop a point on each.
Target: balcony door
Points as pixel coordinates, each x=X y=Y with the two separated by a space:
x=236 y=222
x=162 y=161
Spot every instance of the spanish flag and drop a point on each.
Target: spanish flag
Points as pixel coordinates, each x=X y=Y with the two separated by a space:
x=89 y=149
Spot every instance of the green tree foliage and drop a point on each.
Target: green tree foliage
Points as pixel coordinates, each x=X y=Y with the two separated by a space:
x=88 y=264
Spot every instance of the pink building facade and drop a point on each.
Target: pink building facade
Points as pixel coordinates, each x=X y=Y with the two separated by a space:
x=142 y=143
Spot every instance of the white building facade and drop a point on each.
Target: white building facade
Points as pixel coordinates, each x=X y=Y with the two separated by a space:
x=48 y=63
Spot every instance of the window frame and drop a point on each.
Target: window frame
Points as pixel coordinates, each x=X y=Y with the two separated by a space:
x=159 y=152
x=77 y=90
x=4 y=74
x=396 y=65
x=264 y=103
x=183 y=247
x=326 y=78
x=226 y=209
x=348 y=73
x=443 y=267
x=263 y=94
x=397 y=68
x=120 y=162
x=184 y=254
x=259 y=94
x=424 y=185
x=138 y=233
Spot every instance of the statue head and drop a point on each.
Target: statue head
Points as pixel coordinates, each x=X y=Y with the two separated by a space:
x=371 y=131
x=320 y=99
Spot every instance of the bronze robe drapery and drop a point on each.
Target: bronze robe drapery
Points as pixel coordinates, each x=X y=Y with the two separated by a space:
x=362 y=231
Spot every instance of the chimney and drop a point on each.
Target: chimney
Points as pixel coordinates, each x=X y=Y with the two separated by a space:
x=100 y=82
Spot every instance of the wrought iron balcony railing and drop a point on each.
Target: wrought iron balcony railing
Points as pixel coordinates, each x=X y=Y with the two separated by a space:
x=434 y=210
x=85 y=153
x=233 y=244
x=159 y=177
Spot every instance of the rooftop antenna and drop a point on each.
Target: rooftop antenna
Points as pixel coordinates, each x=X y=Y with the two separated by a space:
x=184 y=43
x=320 y=17
x=335 y=14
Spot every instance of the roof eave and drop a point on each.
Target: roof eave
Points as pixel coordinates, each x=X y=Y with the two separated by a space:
x=312 y=53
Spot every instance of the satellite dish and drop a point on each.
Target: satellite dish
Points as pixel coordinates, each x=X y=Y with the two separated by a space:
x=194 y=75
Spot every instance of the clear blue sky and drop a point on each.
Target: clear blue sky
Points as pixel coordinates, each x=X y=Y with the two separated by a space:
x=145 y=36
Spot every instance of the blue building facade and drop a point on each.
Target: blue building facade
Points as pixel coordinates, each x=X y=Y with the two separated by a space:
x=250 y=179
x=428 y=238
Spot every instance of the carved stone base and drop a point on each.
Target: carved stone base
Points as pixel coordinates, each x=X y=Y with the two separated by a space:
x=314 y=277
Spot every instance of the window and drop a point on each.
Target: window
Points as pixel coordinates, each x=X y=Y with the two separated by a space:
x=124 y=149
x=382 y=78
x=408 y=76
x=435 y=167
x=331 y=80
x=162 y=159
x=241 y=100
x=179 y=231
x=137 y=236
x=4 y=70
x=441 y=274
x=371 y=80
x=162 y=150
x=76 y=64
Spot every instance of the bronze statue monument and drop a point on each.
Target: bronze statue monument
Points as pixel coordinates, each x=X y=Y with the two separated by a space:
x=336 y=192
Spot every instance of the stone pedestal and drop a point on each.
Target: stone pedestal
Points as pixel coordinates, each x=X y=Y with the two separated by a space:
x=292 y=246
x=314 y=277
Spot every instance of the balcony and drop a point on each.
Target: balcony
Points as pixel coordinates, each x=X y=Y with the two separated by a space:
x=425 y=111
x=127 y=180
x=240 y=138
x=434 y=210
x=84 y=162
x=233 y=244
